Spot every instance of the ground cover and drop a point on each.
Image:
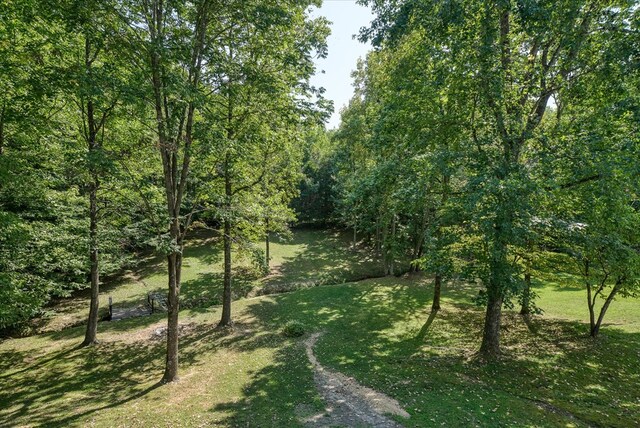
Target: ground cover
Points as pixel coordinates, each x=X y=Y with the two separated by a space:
x=373 y=331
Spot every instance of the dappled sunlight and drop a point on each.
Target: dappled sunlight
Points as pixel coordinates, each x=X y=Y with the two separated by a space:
x=309 y=257
x=319 y=258
x=252 y=374
x=380 y=331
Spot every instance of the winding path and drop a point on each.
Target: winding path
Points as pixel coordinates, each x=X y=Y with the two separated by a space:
x=349 y=403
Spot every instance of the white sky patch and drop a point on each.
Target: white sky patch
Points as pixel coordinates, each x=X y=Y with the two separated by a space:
x=347 y=18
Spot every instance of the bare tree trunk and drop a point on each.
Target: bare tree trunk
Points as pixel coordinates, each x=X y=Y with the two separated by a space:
x=92 y=323
x=526 y=294
x=173 y=309
x=225 y=320
x=2 y=130
x=590 y=305
x=437 y=289
x=393 y=240
x=91 y=135
x=172 y=142
x=592 y=315
x=377 y=238
x=266 y=242
x=591 y=300
x=490 y=348
x=595 y=328
x=384 y=248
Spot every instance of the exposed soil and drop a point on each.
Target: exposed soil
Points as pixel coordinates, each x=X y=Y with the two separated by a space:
x=349 y=403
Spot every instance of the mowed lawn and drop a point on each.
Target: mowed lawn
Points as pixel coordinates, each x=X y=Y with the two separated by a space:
x=551 y=374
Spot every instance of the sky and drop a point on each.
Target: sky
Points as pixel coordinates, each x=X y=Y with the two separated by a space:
x=347 y=18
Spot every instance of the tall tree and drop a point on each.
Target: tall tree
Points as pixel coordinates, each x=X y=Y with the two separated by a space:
x=259 y=96
x=516 y=58
x=97 y=81
x=169 y=40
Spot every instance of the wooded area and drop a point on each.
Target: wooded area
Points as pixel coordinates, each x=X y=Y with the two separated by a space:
x=491 y=148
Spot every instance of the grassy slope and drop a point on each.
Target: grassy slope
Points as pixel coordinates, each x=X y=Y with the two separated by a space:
x=253 y=376
x=309 y=257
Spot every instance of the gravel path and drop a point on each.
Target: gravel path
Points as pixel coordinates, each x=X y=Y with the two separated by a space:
x=349 y=403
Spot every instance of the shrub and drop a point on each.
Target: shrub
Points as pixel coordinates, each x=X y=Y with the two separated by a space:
x=294 y=329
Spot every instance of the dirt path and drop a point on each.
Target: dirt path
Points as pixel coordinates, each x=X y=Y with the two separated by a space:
x=349 y=403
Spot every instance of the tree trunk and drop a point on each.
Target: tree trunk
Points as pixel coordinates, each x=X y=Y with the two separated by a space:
x=170 y=144
x=378 y=246
x=591 y=300
x=2 y=131
x=384 y=248
x=526 y=294
x=266 y=242
x=592 y=314
x=490 y=348
x=393 y=241
x=225 y=320
x=173 y=308
x=437 y=288
x=226 y=293
x=355 y=235
x=595 y=328
x=92 y=323
x=91 y=136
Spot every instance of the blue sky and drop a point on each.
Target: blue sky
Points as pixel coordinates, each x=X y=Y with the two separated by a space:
x=347 y=17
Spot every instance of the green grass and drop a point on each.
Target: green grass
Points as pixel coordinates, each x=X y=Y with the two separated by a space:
x=309 y=257
x=552 y=374
x=563 y=296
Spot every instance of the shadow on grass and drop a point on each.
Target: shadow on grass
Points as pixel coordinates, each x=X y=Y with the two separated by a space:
x=556 y=377
x=91 y=379
x=278 y=394
x=202 y=244
x=69 y=385
x=327 y=258
x=283 y=393
x=206 y=290
x=550 y=374
x=425 y=328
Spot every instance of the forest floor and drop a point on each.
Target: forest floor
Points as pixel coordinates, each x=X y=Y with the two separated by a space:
x=373 y=333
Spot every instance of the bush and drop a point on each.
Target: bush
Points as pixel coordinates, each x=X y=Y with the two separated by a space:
x=294 y=329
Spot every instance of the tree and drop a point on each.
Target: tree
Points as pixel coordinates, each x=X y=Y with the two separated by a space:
x=315 y=203
x=597 y=179
x=256 y=106
x=97 y=84
x=514 y=58
x=168 y=42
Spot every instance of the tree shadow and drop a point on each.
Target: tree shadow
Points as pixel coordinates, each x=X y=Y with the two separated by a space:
x=277 y=394
x=556 y=375
x=73 y=311
x=110 y=374
x=550 y=377
x=283 y=393
x=327 y=258
x=206 y=290
x=425 y=328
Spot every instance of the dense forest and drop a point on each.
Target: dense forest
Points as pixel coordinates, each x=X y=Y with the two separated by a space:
x=485 y=140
